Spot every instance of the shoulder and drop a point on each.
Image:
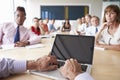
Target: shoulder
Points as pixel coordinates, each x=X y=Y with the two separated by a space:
x=8 y=24
x=118 y=30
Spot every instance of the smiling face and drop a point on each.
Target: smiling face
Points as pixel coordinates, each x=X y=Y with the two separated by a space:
x=20 y=15
x=95 y=21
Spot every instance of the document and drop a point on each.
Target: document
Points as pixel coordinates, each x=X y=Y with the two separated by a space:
x=7 y=46
x=44 y=36
x=35 y=46
x=99 y=48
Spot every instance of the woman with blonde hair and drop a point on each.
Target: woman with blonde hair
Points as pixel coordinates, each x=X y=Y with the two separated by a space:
x=109 y=35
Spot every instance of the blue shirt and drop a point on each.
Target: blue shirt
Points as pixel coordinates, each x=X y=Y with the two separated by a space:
x=52 y=27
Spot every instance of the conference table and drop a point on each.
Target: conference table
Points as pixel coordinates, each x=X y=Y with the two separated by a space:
x=106 y=63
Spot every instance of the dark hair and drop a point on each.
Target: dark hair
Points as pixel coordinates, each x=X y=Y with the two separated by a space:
x=88 y=15
x=96 y=17
x=38 y=29
x=36 y=18
x=114 y=8
x=40 y=19
x=22 y=9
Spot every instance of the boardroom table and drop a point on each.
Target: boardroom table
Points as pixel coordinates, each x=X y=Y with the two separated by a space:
x=106 y=63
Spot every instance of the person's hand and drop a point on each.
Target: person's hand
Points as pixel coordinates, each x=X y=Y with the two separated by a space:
x=78 y=32
x=45 y=63
x=105 y=25
x=71 y=69
x=21 y=44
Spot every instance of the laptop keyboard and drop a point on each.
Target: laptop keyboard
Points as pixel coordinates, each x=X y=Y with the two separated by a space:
x=61 y=63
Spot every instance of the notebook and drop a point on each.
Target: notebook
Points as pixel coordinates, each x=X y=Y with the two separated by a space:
x=71 y=46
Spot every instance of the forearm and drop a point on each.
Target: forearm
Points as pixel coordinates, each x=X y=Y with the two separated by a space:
x=22 y=44
x=97 y=36
x=9 y=66
x=109 y=47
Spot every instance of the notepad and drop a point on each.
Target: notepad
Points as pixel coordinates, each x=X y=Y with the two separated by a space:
x=35 y=46
x=99 y=48
x=44 y=36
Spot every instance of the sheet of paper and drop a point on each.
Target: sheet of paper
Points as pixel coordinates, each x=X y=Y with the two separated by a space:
x=7 y=47
x=44 y=36
x=35 y=46
x=99 y=48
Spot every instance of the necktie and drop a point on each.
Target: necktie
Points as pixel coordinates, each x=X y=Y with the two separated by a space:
x=17 y=35
x=96 y=30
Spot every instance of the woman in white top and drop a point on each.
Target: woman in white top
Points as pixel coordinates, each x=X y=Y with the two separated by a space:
x=109 y=35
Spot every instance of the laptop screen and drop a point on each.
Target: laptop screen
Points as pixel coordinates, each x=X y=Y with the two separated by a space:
x=74 y=46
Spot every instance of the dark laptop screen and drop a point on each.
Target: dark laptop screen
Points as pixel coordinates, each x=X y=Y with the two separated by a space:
x=74 y=46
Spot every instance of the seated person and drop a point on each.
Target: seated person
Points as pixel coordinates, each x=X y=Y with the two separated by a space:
x=51 y=26
x=41 y=26
x=35 y=28
x=16 y=33
x=88 y=19
x=45 y=26
x=79 y=20
x=94 y=28
x=109 y=35
x=66 y=26
x=83 y=28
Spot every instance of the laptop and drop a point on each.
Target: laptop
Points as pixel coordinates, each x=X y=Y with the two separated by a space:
x=65 y=47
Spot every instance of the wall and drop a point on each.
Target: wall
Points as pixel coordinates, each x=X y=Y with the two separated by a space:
x=6 y=11
x=33 y=6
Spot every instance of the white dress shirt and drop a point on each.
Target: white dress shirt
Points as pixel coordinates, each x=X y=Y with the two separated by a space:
x=83 y=28
x=91 y=31
x=9 y=66
x=84 y=76
x=8 y=30
x=106 y=38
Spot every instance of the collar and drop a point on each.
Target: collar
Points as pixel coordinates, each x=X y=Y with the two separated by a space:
x=15 y=24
